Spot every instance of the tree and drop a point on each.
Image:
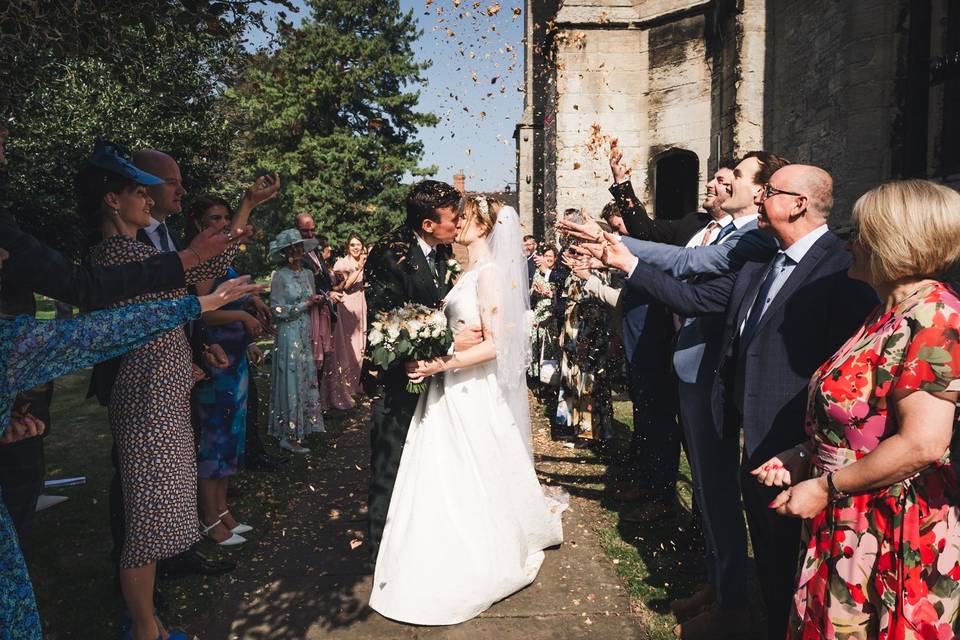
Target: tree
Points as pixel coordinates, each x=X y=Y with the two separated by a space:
x=37 y=33
x=333 y=109
x=172 y=104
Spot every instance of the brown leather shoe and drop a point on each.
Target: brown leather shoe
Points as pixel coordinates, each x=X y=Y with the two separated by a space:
x=648 y=512
x=716 y=624
x=686 y=608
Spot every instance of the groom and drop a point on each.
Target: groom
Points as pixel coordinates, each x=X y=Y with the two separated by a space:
x=409 y=264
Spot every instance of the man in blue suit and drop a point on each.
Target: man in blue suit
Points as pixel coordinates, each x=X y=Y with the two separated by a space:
x=714 y=454
x=648 y=331
x=721 y=246
x=782 y=319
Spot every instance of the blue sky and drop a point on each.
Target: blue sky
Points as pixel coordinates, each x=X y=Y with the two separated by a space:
x=473 y=86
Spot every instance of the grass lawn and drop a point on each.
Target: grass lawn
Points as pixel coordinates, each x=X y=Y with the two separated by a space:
x=69 y=550
x=655 y=560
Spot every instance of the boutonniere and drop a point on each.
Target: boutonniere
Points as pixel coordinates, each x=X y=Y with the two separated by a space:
x=453 y=270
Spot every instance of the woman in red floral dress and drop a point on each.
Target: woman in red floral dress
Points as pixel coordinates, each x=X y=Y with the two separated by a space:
x=882 y=530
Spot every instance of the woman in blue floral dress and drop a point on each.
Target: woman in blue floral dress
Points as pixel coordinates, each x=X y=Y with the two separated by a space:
x=33 y=352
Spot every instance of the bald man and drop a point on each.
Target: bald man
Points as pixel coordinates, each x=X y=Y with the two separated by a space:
x=783 y=318
x=316 y=262
x=167 y=197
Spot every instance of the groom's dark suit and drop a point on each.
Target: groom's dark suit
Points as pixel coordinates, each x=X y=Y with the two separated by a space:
x=397 y=273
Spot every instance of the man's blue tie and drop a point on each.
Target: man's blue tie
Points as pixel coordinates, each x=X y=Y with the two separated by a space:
x=724 y=232
x=164 y=238
x=756 y=311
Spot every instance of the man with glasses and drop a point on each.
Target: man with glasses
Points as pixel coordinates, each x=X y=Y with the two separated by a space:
x=783 y=318
x=725 y=243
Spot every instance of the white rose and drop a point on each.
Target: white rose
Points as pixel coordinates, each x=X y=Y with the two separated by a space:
x=375 y=337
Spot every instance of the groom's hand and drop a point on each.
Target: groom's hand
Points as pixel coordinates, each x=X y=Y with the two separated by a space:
x=466 y=338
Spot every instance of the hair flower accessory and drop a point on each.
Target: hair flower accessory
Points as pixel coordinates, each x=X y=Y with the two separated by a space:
x=483 y=205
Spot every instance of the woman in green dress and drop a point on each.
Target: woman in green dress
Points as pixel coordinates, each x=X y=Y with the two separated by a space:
x=295 y=409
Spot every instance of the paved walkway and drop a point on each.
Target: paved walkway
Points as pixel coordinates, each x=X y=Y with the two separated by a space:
x=307 y=579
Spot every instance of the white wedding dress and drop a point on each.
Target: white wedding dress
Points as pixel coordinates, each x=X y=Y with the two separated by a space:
x=468 y=519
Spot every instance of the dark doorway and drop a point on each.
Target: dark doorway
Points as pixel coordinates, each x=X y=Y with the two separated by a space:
x=676 y=183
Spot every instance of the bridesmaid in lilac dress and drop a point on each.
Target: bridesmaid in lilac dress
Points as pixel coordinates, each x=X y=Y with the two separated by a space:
x=341 y=374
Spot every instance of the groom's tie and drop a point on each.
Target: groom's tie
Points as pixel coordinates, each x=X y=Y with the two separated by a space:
x=432 y=262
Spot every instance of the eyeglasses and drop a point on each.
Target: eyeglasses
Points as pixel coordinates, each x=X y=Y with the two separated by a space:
x=769 y=191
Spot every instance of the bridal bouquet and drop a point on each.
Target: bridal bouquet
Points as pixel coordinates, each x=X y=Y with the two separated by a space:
x=410 y=332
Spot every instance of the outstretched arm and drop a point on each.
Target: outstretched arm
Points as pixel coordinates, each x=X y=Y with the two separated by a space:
x=52 y=274
x=43 y=350
x=683 y=298
x=683 y=262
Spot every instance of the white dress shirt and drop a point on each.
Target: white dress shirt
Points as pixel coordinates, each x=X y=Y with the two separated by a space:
x=426 y=248
x=153 y=232
x=698 y=238
x=794 y=254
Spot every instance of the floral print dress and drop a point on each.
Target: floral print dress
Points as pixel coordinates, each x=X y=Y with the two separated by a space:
x=585 y=404
x=295 y=409
x=544 y=324
x=35 y=351
x=884 y=563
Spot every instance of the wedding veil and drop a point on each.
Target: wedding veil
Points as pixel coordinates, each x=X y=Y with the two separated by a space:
x=510 y=321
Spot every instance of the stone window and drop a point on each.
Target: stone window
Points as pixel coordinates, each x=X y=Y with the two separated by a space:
x=675 y=180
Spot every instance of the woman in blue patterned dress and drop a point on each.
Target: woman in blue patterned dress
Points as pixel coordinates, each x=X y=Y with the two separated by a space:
x=33 y=352
x=294 y=396
x=221 y=398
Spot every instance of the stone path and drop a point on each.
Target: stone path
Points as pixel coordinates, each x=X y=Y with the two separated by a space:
x=308 y=580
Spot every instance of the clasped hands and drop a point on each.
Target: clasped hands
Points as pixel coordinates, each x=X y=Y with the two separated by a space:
x=800 y=498
x=419 y=370
x=22 y=425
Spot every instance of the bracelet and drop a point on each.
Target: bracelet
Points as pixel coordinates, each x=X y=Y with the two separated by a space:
x=835 y=494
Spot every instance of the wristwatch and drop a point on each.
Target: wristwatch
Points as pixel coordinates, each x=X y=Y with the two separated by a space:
x=835 y=494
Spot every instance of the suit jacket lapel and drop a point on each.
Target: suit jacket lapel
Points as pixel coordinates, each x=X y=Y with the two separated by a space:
x=421 y=269
x=145 y=239
x=797 y=277
x=746 y=295
x=444 y=285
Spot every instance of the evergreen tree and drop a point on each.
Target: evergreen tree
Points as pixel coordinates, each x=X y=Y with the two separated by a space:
x=333 y=109
x=167 y=97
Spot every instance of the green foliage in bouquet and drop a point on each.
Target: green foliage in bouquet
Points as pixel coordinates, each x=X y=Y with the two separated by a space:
x=410 y=332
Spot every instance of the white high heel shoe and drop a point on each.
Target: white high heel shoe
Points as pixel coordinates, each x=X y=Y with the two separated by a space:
x=240 y=528
x=293 y=447
x=232 y=541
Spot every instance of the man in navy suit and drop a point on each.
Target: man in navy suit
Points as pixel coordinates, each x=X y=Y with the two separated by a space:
x=653 y=383
x=782 y=319
x=714 y=456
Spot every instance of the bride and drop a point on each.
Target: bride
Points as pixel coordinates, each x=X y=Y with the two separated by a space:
x=468 y=520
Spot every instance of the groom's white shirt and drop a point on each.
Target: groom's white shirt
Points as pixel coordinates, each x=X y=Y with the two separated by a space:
x=426 y=248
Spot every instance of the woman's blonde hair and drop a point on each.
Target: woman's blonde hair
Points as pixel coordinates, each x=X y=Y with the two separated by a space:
x=485 y=209
x=911 y=229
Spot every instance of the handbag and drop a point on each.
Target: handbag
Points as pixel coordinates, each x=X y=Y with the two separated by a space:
x=549 y=370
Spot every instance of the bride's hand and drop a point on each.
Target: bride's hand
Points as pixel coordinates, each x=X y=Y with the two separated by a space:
x=418 y=370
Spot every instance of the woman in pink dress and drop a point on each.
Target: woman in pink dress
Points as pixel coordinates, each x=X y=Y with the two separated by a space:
x=341 y=374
